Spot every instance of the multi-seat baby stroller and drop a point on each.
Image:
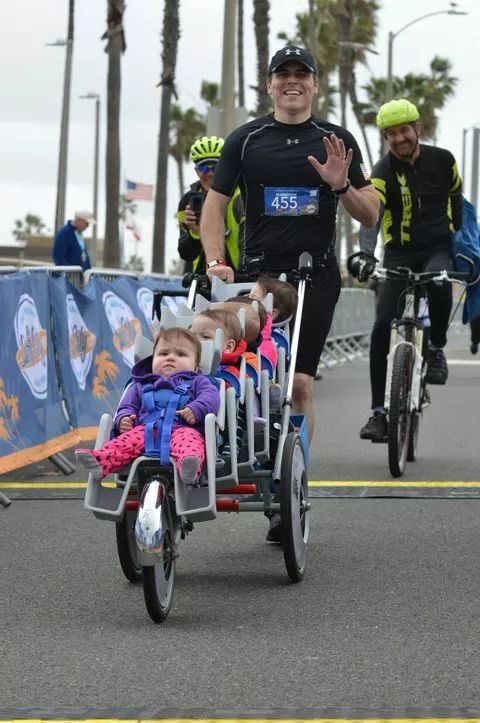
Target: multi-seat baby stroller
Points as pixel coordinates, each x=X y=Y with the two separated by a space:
x=268 y=475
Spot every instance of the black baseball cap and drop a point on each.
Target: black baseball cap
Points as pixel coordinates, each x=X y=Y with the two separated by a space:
x=292 y=52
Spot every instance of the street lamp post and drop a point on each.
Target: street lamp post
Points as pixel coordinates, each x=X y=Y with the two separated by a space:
x=63 y=148
x=464 y=147
x=96 y=97
x=392 y=36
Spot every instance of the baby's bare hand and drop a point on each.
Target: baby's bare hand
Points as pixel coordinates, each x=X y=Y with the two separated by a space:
x=187 y=415
x=126 y=423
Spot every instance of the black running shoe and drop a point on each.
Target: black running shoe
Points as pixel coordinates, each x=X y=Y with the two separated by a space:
x=274 y=534
x=437 y=369
x=376 y=429
x=474 y=347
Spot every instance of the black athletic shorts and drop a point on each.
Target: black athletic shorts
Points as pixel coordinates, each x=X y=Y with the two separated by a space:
x=320 y=300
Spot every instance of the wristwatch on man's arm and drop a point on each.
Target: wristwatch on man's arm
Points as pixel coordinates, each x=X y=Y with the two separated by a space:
x=216 y=262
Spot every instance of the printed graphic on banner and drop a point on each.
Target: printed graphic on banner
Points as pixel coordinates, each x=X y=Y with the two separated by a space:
x=145 y=302
x=9 y=413
x=124 y=325
x=33 y=424
x=81 y=342
x=105 y=371
x=32 y=346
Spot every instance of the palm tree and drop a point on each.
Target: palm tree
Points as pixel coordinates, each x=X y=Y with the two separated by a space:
x=170 y=36
x=185 y=127
x=261 y=9
x=31 y=225
x=360 y=32
x=209 y=92
x=327 y=25
x=428 y=92
x=116 y=45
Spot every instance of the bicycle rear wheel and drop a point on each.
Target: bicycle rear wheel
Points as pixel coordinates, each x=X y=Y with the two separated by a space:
x=399 y=418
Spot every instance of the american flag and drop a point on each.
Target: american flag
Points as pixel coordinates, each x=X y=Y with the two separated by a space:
x=364 y=171
x=138 y=191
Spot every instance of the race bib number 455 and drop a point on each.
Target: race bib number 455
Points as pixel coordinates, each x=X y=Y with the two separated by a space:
x=291 y=201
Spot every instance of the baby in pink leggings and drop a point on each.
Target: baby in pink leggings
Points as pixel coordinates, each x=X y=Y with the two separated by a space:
x=163 y=411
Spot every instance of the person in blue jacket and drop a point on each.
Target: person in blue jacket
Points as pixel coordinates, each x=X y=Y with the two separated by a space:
x=69 y=248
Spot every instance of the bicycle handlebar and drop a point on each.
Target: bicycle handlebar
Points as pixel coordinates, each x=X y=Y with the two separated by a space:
x=403 y=273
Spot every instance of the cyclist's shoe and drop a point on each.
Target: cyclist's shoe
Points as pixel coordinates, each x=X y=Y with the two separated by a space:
x=474 y=347
x=274 y=533
x=376 y=429
x=437 y=369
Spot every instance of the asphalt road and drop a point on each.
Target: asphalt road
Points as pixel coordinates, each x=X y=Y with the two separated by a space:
x=387 y=617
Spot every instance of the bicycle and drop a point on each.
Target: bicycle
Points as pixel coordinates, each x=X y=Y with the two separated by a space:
x=406 y=392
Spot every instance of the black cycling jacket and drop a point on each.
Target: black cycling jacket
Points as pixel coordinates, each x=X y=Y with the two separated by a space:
x=421 y=204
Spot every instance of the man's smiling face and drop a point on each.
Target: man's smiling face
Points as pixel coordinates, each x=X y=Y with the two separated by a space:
x=292 y=87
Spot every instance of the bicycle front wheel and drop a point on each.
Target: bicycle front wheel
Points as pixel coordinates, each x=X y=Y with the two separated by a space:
x=399 y=418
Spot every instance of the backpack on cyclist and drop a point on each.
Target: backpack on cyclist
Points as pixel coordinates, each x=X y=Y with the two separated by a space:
x=466 y=245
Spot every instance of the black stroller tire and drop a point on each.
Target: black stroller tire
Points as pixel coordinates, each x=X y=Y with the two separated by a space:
x=159 y=583
x=127 y=547
x=294 y=507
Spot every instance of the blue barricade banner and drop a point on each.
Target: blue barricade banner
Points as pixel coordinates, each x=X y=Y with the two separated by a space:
x=32 y=423
x=150 y=284
x=95 y=334
x=66 y=345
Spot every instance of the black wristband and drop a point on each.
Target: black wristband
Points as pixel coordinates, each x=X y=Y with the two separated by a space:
x=340 y=191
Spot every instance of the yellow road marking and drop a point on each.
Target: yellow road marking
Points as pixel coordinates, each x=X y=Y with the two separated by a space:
x=392 y=483
x=48 y=486
x=314 y=484
x=244 y=720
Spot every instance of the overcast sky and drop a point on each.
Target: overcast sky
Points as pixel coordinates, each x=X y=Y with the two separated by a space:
x=31 y=81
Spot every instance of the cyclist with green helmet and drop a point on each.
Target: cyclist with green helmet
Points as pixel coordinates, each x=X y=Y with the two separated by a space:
x=205 y=153
x=420 y=193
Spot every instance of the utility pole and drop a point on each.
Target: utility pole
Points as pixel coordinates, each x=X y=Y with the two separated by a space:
x=63 y=149
x=94 y=246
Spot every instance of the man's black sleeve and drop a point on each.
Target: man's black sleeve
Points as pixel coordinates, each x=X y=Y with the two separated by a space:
x=229 y=166
x=456 y=197
x=188 y=247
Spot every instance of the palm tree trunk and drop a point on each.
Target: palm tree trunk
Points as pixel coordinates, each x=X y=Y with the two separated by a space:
x=261 y=22
x=181 y=176
x=359 y=116
x=170 y=36
x=313 y=45
x=240 y=56
x=115 y=47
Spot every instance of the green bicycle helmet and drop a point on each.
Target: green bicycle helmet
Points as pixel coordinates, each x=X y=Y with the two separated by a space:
x=396 y=113
x=206 y=148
